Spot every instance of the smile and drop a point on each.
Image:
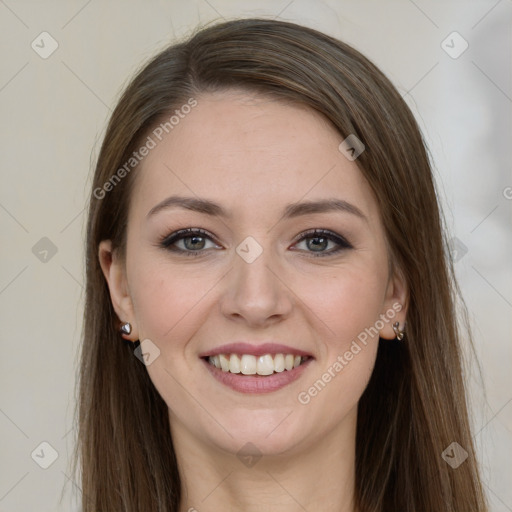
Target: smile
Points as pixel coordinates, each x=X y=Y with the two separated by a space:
x=264 y=365
x=247 y=373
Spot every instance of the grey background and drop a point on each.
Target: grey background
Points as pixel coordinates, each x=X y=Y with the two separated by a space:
x=54 y=111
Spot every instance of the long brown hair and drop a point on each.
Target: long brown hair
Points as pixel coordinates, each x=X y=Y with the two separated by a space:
x=414 y=406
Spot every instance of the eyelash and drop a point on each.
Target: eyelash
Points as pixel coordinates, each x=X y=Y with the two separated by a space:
x=167 y=241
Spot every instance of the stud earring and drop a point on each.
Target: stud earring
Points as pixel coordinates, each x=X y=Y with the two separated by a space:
x=126 y=328
x=399 y=334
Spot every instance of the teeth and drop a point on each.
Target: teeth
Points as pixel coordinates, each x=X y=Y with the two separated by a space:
x=248 y=365
x=224 y=362
x=252 y=365
x=265 y=365
x=214 y=360
x=279 y=363
x=234 y=364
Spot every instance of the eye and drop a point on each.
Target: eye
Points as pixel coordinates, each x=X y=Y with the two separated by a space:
x=318 y=240
x=194 y=241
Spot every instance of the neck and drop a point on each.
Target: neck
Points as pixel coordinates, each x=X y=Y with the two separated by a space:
x=316 y=475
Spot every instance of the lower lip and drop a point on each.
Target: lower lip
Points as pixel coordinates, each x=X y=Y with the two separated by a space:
x=257 y=383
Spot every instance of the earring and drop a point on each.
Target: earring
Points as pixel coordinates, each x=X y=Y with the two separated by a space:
x=126 y=328
x=399 y=334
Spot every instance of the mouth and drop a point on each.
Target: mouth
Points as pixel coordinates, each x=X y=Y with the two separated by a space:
x=262 y=365
x=249 y=368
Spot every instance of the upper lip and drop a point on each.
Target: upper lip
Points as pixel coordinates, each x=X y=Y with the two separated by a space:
x=255 y=350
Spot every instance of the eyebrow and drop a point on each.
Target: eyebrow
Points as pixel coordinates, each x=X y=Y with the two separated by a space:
x=290 y=211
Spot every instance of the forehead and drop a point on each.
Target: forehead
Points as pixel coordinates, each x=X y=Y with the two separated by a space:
x=249 y=153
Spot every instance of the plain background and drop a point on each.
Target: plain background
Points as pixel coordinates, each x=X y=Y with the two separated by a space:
x=54 y=112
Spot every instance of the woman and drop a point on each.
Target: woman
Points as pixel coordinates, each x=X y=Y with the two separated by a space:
x=264 y=235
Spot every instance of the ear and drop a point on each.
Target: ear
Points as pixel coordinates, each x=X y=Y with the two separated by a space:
x=395 y=305
x=114 y=270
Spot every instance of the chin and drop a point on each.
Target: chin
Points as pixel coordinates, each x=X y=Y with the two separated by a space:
x=270 y=432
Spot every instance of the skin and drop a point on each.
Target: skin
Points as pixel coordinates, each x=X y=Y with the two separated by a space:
x=254 y=156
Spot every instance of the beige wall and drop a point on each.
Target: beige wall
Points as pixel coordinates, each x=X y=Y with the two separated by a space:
x=53 y=111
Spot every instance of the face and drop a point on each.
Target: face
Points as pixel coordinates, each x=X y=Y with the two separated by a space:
x=253 y=271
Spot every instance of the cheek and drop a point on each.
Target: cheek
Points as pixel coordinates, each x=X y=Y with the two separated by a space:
x=347 y=302
x=166 y=299
x=348 y=307
x=333 y=391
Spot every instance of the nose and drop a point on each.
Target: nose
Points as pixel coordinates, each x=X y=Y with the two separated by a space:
x=256 y=292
